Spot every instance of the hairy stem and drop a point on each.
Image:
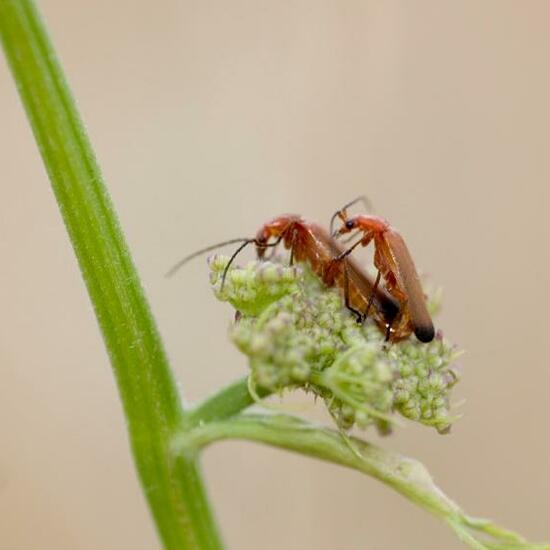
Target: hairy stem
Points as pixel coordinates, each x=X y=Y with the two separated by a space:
x=173 y=488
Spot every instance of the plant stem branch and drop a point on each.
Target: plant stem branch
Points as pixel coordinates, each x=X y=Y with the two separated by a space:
x=227 y=402
x=173 y=488
x=407 y=476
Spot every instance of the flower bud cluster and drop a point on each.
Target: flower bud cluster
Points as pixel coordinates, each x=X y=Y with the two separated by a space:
x=298 y=334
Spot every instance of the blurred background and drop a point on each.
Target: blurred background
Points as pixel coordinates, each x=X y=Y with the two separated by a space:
x=210 y=117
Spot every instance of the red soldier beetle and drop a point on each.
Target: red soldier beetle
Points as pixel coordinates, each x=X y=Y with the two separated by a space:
x=328 y=259
x=309 y=242
x=394 y=263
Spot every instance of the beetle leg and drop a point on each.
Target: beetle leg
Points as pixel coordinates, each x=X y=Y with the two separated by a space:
x=359 y=316
x=373 y=293
x=292 y=245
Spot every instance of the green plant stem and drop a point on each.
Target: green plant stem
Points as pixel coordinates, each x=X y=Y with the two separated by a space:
x=173 y=488
x=167 y=462
x=227 y=402
x=407 y=476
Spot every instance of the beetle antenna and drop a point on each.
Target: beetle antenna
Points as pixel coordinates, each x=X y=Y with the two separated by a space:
x=233 y=256
x=362 y=198
x=246 y=242
x=183 y=261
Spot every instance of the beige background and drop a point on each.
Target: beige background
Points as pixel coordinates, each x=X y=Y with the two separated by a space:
x=210 y=117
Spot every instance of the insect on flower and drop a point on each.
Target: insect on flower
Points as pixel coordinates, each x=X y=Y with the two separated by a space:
x=395 y=265
x=328 y=259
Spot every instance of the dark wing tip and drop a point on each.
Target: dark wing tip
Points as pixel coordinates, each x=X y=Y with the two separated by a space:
x=425 y=333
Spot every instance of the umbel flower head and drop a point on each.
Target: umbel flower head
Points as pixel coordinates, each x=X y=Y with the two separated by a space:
x=297 y=333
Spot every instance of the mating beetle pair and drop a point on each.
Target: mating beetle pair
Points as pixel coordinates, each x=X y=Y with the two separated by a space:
x=398 y=307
